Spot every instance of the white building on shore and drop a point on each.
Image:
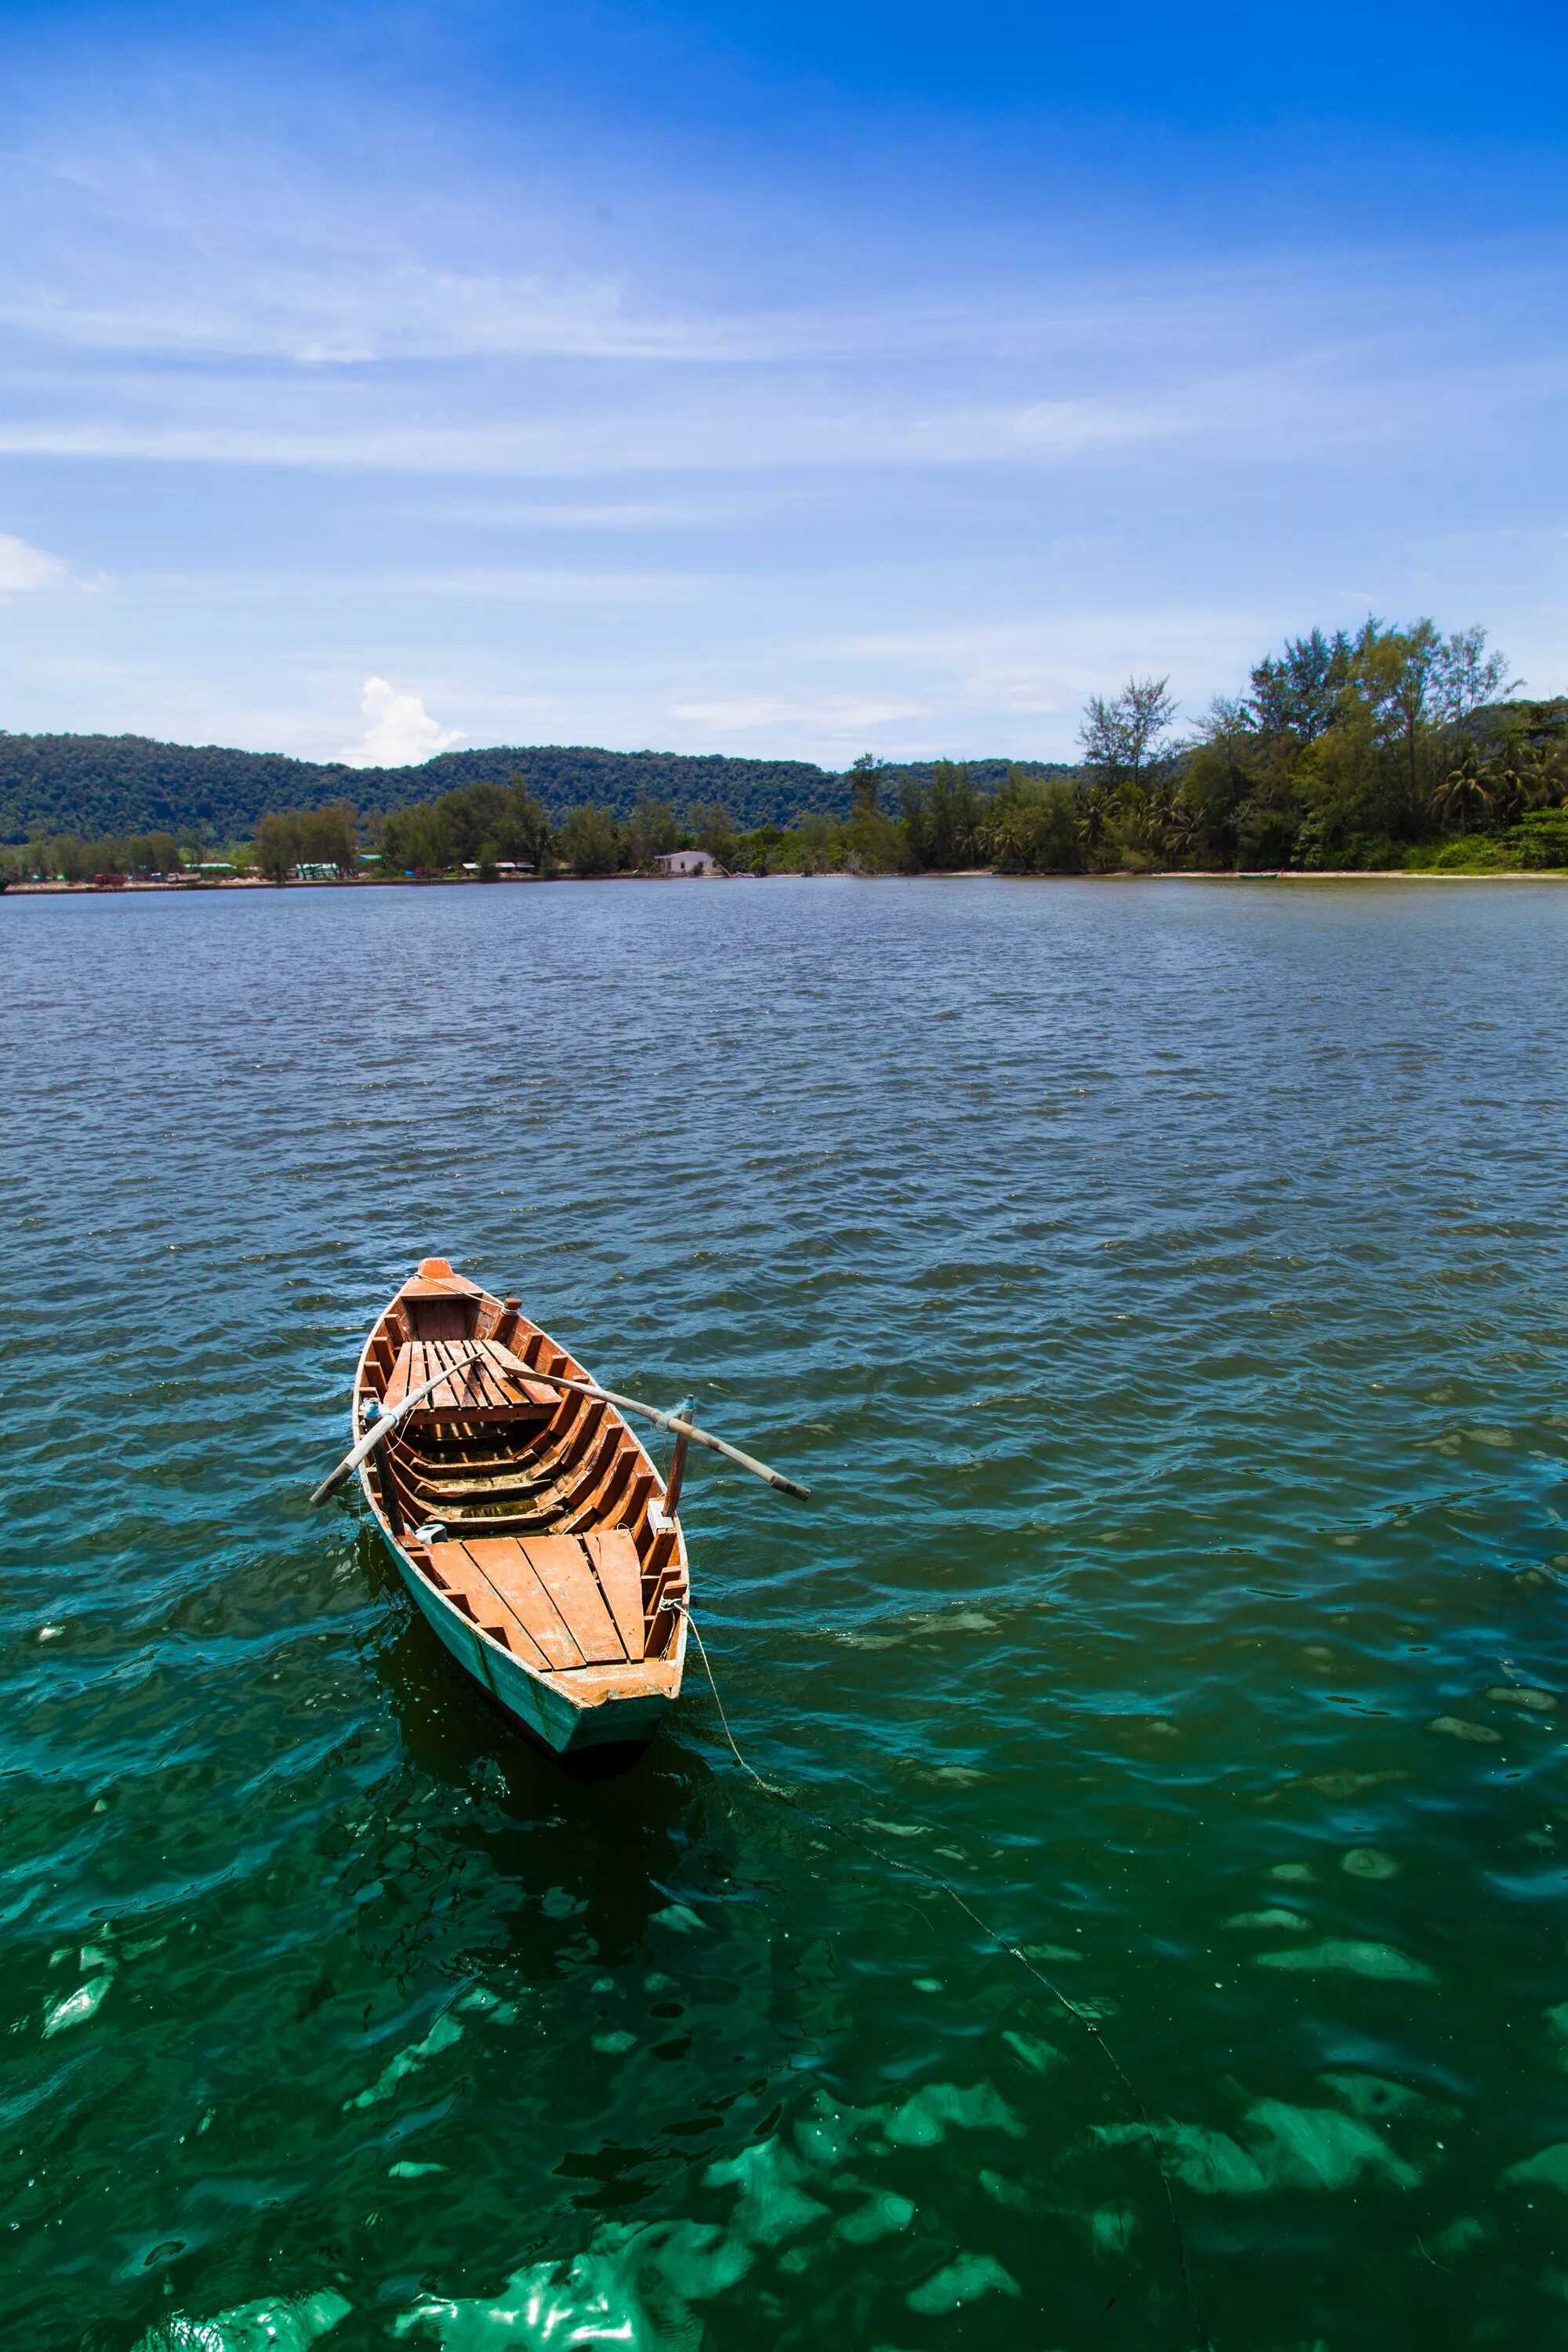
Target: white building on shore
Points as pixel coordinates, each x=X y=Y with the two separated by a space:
x=690 y=861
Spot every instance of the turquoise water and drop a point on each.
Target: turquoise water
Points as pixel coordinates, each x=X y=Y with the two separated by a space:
x=1164 y=1289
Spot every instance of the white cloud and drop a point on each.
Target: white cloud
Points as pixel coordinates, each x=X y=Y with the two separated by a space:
x=839 y=716
x=23 y=567
x=399 y=730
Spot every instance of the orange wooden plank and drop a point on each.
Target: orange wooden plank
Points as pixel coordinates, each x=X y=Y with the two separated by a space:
x=512 y=1367
x=459 y=1393
x=435 y=1279
x=504 y=1561
x=466 y=1581
x=614 y=1554
x=561 y=1567
x=519 y=1633
x=597 y=1495
x=407 y=1371
x=475 y=1391
x=495 y=1386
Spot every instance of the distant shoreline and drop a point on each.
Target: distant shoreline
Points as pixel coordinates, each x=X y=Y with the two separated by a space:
x=957 y=874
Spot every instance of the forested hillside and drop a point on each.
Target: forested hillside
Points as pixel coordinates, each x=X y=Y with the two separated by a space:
x=1390 y=748
x=98 y=785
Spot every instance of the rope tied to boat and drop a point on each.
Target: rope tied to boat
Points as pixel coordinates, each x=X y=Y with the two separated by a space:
x=908 y=1869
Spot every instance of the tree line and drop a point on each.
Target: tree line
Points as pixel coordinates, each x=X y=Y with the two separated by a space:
x=1388 y=747
x=1385 y=748
x=489 y=825
x=324 y=838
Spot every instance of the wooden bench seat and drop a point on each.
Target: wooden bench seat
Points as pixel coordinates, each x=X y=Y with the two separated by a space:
x=559 y=1602
x=489 y=1385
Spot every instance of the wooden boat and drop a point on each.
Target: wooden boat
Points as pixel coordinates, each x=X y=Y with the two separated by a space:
x=525 y=1517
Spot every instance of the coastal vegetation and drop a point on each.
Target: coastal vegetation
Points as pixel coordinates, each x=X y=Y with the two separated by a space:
x=287 y=839
x=1390 y=748
x=1394 y=749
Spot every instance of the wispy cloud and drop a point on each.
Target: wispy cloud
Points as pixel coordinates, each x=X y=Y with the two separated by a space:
x=1308 y=403
x=24 y=568
x=322 y=585
x=835 y=717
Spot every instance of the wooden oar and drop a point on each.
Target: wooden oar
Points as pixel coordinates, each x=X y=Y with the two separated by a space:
x=382 y=1429
x=685 y=1431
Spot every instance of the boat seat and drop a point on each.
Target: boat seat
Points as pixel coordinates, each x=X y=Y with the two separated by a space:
x=559 y=1602
x=492 y=1386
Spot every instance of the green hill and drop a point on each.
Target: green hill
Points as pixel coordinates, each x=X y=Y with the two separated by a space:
x=94 y=786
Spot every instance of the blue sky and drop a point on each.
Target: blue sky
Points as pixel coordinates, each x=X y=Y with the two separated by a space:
x=794 y=380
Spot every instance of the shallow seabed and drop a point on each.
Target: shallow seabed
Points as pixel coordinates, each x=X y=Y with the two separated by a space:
x=1165 y=1292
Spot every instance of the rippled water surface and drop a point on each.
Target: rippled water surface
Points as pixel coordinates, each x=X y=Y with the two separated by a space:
x=1164 y=1289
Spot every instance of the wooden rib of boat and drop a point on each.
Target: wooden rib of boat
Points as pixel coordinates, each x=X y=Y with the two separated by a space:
x=526 y=1519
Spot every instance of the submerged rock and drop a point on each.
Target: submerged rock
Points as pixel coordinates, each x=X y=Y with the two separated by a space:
x=1369 y=1862
x=1111 y=2230
x=1549 y=2170
x=1002 y=2192
x=490 y=2005
x=442 y=2035
x=1341 y=1785
x=884 y=2213
x=773 y=2206
x=1209 y=2162
x=826 y=2137
x=964 y=2279
x=926 y=2118
x=1280 y=2146
x=1038 y=2056
x=1461 y=2237
x=269 y=2325
x=633 y=2289
x=682 y=1917
x=697 y=2259
x=1371 y=2095
x=79 y=2006
x=1348 y=1957
x=1317 y=2148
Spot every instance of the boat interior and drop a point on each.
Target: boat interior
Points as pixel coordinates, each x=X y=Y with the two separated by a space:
x=531 y=1508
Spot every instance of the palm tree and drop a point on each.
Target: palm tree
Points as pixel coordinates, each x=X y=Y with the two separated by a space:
x=1460 y=791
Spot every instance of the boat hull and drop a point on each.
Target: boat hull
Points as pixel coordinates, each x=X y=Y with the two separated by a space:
x=543 y=1712
x=580 y=1641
